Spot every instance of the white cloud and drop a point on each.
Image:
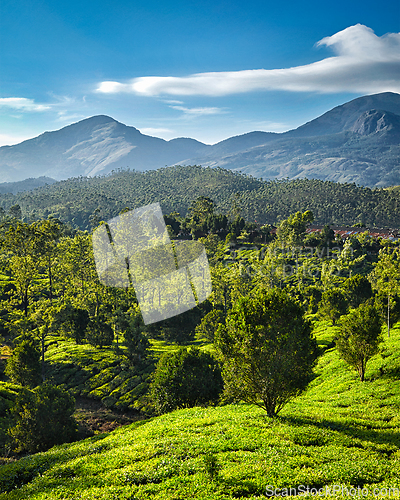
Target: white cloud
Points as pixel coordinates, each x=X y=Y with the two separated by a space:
x=22 y=104
x=364 y=63
x=198 y=111
x=63 y=116
x=156 y=131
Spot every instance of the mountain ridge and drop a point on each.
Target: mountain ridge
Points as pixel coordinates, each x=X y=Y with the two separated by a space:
x=328 y=147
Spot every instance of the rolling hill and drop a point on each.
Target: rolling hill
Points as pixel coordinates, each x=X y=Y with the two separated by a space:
x=340 y=433
x=80 y=199
x=358 y=141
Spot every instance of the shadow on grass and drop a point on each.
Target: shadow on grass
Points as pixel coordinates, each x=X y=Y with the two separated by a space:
x=356 y=431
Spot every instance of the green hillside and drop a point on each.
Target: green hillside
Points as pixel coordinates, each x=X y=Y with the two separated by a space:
x=340 y=432
x=84 y=201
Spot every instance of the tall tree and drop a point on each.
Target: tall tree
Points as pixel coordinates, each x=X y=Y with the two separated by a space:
x=49 y=232
x=386 y=276
x=22 y=241
x=291 y=231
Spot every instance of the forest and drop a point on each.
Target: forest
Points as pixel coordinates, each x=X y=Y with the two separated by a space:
x=254 y=340
x=83 y=202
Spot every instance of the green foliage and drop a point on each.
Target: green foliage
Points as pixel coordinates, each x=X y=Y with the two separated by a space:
x=211 y=465
x=392 y=316
x=23 y=366
x=136 y=343
x=312 y=295
x=99 y=333
x=333 y=304
x=268 y=350
x=176 y=187
x=209 y=324
x=185 y=378
x=100 y=374
x=291 y=231
x=179 y=329
x=359 y=337
x=43 y=418
x=357 y=289
x=73 y=321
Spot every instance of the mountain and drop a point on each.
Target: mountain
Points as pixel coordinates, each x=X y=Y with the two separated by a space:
x=358 y=141
x=342 y=118
x=93 y=146
x=26 y=185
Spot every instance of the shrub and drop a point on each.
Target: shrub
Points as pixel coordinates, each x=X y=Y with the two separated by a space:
x=43 y=418
x=23 y=366
x=185 y=378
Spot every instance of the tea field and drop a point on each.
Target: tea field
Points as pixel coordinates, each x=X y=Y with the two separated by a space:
x=340 y=439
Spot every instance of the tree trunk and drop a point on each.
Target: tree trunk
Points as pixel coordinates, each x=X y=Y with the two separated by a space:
x=43 y=371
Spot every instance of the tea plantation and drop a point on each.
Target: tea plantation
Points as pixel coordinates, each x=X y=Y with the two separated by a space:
x=341 y=437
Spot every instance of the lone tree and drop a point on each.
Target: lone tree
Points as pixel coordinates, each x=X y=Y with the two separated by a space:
x=268 y=350
x=359 y=337
x=186 y=378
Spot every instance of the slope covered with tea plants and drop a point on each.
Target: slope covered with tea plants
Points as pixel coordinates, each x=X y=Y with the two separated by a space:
x=341 y=433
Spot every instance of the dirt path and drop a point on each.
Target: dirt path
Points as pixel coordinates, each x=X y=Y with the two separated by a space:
x=94 y=418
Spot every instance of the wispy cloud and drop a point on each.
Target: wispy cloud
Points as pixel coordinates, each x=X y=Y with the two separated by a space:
x=364 y=63
x=22 y=104
x=155 y=130
x=199 y=111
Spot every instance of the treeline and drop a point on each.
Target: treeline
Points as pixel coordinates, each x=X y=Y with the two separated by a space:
x=83 y=201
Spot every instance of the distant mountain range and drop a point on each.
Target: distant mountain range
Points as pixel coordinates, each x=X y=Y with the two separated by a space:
x=356 y=142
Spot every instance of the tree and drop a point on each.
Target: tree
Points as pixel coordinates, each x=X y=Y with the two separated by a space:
x=199 y=211
x=185 y=378
x=267 y=349
x=42 y=418
x=49 y=231
x=23 y=366
x=333 y=304
x=291 y=231
x=359 y=337
x=22 y=240
x=209 y=324
x=358 y=289
x=136 y=343
x=43 y=317
x=388 y=312
x=99 y=333
x=73 y=321
x=386 y=277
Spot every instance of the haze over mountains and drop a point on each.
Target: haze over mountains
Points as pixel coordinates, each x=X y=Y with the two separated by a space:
x=356 y=142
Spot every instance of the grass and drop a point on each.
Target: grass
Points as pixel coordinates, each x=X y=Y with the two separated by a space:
x=339 y=432
x=100 y=374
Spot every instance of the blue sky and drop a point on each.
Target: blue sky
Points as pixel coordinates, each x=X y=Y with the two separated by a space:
x=207 y=70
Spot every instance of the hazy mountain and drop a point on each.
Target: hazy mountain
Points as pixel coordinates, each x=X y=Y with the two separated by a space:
x=93 y=146
x=356 y=142
x=26 y=185
x=342 y=118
